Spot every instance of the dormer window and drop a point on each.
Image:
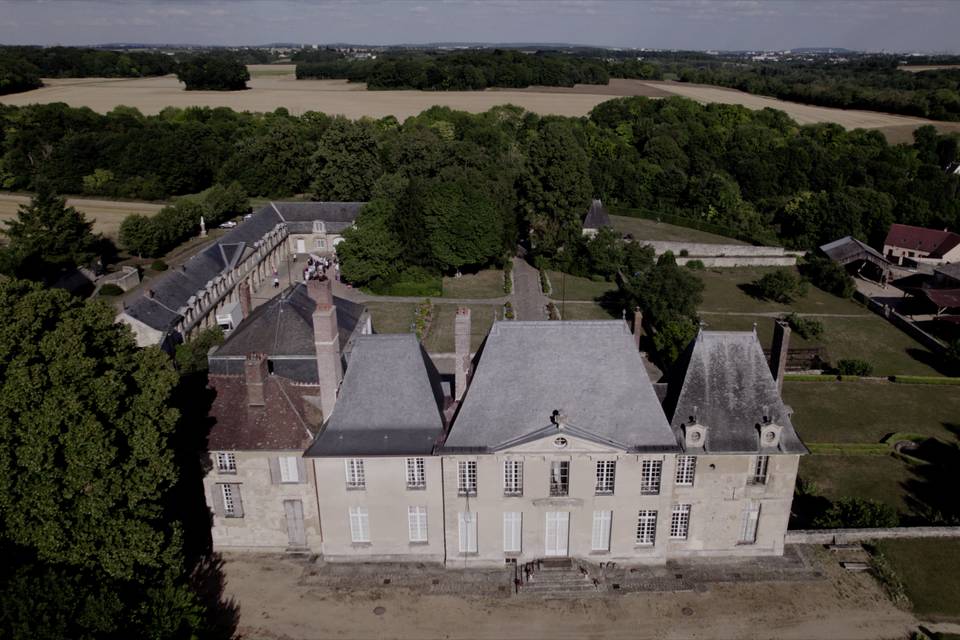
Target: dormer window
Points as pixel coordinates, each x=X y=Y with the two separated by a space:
x=319 y=226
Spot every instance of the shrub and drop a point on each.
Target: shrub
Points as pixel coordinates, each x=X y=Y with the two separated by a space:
x=781 y=285
x=508 y=311
x=545 y=282
x=159 y=265
x=807 y=328
x=508 y=277
x=552 y=312
x=857 y=513
x=422 y=317
x=827 y=275
x=684 y=253
x=696 y=265
x=854 y=367
x=110 y=289
x=889 y=579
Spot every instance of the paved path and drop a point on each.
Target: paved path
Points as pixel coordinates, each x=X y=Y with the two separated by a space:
x=529 y=303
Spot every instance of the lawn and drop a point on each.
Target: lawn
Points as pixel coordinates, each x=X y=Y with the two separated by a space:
x=873 y=477
x=566 y=286
x=484 y=284
x=391 y=317
x=586 y=311
x=722 y=293
x=869 y=338
x=440 y=338
x=930 y=572
x=643 y=229
x=867 y=412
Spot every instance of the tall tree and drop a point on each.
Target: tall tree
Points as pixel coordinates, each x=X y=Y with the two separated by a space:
x=348 y=163
x=46 y=238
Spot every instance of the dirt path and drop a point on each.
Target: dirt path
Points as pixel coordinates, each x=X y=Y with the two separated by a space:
x=276 y=601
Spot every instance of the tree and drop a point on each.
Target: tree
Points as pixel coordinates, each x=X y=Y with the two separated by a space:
x=857 y=513
x=85 y=466
x=213 y=73
x=370 y=249
x=605 y=253
x=347 y=163
x=139 y=236
x=780 y=285
x=827 y=275
x=46 y=238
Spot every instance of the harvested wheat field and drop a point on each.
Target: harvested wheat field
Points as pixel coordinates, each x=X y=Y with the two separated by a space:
x=106 y=214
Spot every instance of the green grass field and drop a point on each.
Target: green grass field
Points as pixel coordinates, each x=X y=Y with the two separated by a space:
x=872 y=477
x=867 y=412
x=576 y=288
x=930 y=572
x=484 y=284
x=391 y=317
x=642 y=229
x=581 y=311
x=440 y=338
x=722 y=293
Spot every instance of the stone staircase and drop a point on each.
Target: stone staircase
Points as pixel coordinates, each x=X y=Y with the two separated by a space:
x=560 y=578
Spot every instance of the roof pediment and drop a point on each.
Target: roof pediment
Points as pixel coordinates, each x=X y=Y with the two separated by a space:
x=556 y=439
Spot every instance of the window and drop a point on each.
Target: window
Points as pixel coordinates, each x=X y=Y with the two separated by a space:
x=650 y=477
x=686 y=469
x=319 y=243
x=467 y=478
x=512 y=525
x=232 y=505
x=359 y=524
x=416 y=475
x=559 y=478
x=751 y=518
x=759 y=475
x=468 y=531
x=647 y=527
x=601 y=531
x=226 y=462
x=513 y=478
x=355 y=476
x=417 y=523
x=606 y=473
x=680 y=522
x=289 y=469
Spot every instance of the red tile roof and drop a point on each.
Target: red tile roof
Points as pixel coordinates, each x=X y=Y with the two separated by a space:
x=932 y=241
x=283 y=423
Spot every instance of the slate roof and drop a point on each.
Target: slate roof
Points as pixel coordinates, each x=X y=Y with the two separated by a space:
x=171 y=291
x=279 y=425
x=933 y=241
x=724 y=381
x=390 y=402
x=847 y=248
x=950 y=270
x=591 y=371
x=597 y=217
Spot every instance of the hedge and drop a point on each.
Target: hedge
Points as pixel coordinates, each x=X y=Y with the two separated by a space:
x=924 y=380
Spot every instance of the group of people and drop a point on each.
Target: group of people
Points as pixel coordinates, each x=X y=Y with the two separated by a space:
x=317 y=268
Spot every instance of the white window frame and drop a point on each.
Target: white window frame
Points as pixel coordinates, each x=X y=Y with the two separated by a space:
x=750 y=522
x=355 y=473
x=512 y=531
x=559 y=480
x=606 y=477
x=416 y=473
x=651 y=472
x=359 y=525
x=417 y=523
x=760 y=470
x=513 y=478
x=466 y=477
x=646 y=528
x=227 y=490
x=289 y=469
x=680 y=522
x=226 y=462
x=686 y=470
x=467 y=529
x=600 y=538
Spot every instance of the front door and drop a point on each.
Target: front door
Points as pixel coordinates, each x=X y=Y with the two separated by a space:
x=295 y=533
x=301 y=245
x=558 y=527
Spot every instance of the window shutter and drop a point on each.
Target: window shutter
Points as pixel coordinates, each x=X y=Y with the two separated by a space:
x=238 y=501
x=274 y=470
x=217 y=494
x=511 y=531
x=601 y=531
x=301 y=471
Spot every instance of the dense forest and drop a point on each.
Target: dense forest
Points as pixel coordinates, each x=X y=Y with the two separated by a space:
x=74 y=62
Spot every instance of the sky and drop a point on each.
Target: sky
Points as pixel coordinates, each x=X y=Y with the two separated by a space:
x=871 y=25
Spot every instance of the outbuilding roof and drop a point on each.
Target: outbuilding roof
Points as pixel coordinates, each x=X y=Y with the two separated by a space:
x=588 y=371
x=597 y=216
x=390 y=402
x=725 y=384
x=849 y=248
x=932 y=241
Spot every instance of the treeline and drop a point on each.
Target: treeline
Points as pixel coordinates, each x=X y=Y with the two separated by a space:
x=460 y=71
x=872 y=83
x=76 y=62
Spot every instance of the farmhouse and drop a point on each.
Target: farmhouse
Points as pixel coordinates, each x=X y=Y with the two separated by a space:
x=921 y=245
x=206 y=290
x=552 y=442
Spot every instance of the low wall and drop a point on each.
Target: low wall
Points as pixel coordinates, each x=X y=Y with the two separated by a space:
x=700 y=249
x=742 y=261
x=829 y=536
x=126 y=279
x=902 y=322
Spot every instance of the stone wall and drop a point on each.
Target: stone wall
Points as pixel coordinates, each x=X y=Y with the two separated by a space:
x=742 y=261
x=698 y=249
x=829 y=536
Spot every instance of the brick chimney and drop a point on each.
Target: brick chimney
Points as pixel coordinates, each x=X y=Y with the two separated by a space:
x=637 y=326
x=326 y=339
x=461 y=347
x=255 y=375
x=778 y=351
x=246 y=304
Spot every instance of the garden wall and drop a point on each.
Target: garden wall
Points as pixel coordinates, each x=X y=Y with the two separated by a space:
x=829 y=536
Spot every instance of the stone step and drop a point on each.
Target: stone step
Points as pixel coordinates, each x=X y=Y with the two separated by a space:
x=558 y=579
